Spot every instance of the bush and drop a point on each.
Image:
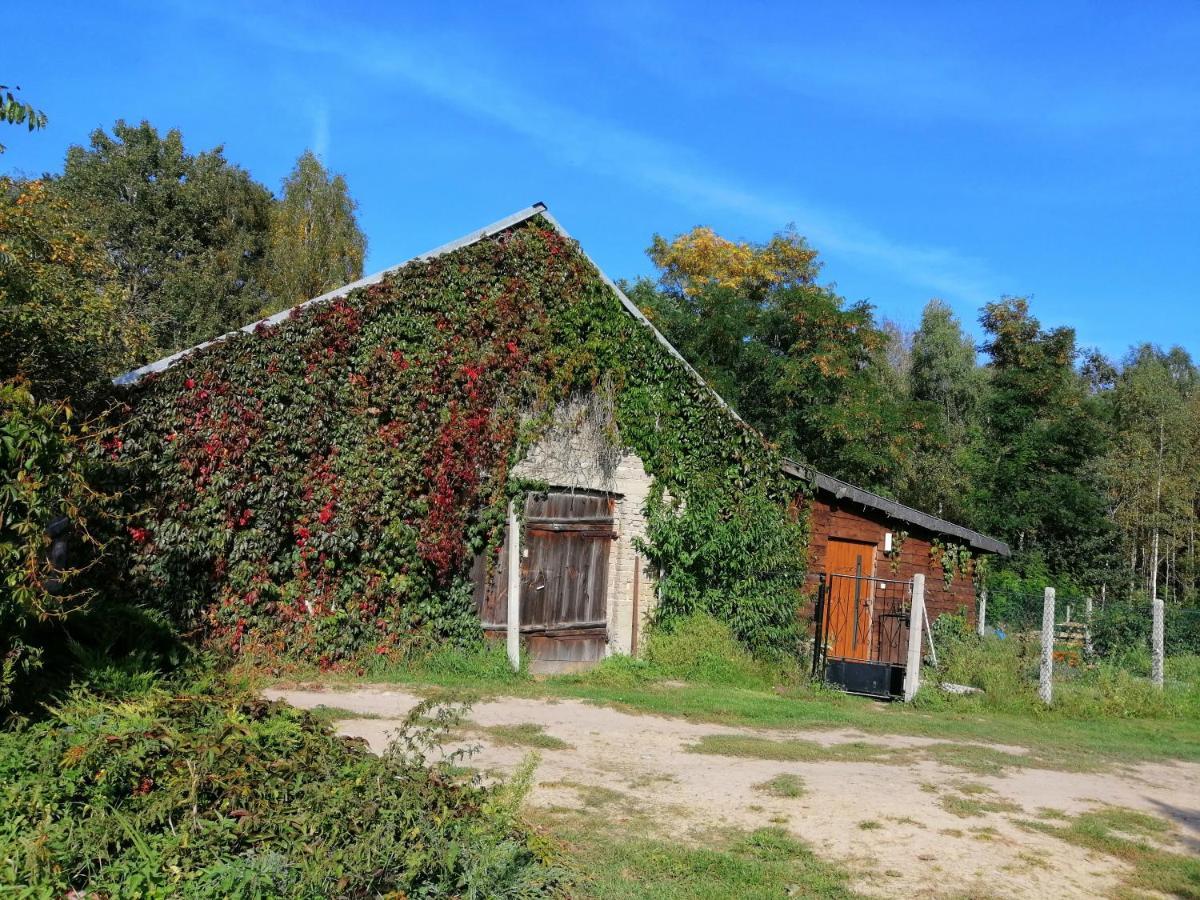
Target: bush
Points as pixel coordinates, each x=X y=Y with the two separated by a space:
x=46 y=480
x=212 y=793
x=698 y=648
x=1003 y=669
x=1122 y=627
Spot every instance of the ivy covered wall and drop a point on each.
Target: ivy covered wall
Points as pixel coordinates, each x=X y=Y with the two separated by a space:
x=317 y=489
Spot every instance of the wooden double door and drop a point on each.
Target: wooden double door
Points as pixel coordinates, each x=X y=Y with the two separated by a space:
x=564 y=579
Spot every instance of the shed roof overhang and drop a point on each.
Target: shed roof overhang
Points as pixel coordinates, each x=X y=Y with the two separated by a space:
x=891 y=509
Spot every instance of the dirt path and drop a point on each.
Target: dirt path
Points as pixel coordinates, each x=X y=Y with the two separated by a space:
x=917 y=846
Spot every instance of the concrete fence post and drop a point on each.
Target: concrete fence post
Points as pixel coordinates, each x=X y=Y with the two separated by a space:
x=916 y=618
x=1156 y=642
x=1088 y=650
x=1046 y=677
x=981 y=623
x=513 y=633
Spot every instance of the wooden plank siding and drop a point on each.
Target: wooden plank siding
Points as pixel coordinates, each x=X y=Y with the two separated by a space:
x=564 y=578
x=831 y=518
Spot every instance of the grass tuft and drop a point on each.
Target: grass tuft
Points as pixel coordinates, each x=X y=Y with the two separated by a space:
x=793 y=750
x=785 y=785
x=526 y=734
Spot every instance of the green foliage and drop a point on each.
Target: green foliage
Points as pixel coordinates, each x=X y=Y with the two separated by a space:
x=318 y=489
x=1119 y=628
x=1151 y=471
x=1006 y=671
x=732 y=557
x=704 y=650
x=15 y=111
x=211 y=793
x=62 y=322
x=792 y=356
x=1034 y=480
x=45 y=477
x=188 y=232
x=315 y=243
x=947 y=384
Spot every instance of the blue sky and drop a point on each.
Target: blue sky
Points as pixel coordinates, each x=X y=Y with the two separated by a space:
x=957 y=150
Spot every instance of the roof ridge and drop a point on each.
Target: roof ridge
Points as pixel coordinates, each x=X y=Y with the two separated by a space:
x=135 y=375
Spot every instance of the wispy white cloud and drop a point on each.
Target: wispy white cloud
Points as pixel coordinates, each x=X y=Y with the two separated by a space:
x=320 y=130
x=447 y=69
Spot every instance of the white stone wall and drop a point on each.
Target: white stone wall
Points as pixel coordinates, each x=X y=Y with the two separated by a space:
x=579 y=453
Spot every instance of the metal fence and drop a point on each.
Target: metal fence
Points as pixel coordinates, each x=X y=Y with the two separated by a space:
x=1071 y=635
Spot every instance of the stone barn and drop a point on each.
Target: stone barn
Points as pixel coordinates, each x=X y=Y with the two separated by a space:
x=311 y=545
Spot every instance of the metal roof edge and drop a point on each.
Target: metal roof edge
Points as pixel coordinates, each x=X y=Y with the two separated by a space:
x=892 y=508
x=633 y=310
x=159 y=365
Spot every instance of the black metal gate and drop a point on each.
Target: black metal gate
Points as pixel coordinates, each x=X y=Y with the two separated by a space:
x=860 y=641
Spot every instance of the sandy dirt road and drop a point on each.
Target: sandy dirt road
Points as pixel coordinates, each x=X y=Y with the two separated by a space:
x=918 y=846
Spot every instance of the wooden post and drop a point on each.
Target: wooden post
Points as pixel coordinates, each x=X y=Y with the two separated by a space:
x=637 y=613
x=513 y=633
x=1156 y=642
x=981 y=624
x=1046 y=677
x=1088 y=650
x=916 y=618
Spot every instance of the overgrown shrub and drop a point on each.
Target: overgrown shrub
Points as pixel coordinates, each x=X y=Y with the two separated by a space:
x=212 y=793
x=46 y=483
x=740 y=569
x=699 y=648
x=1007 y=672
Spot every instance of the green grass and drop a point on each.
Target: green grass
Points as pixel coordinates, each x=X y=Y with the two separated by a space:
x=792 y=750
x=330 y=714
x=592 y=796
x=526 y=734
x=755 y=865
x=785 y=786
x=967 y=807
x=975 y=758
x=1138 y=839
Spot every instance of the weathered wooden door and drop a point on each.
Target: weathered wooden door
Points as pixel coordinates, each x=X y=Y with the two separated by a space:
x=849 y=566
x=564 y=580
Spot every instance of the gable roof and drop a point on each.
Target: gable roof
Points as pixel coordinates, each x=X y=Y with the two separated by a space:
x=818 y=480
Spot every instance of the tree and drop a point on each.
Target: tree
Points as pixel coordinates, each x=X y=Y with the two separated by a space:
x=797 y=362
x=1152 y=470
x=946 y=383
x=64 y=323
x=702 y=259
x=61 y=335
x=819 y=382
x=15 y=111
x=315 y=243
x=186 y=232
x=1034 y=472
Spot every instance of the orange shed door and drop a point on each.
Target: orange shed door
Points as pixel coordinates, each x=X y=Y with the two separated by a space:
x=849 y=566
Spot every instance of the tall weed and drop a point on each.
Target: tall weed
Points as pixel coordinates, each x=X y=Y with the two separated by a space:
x=220 y=794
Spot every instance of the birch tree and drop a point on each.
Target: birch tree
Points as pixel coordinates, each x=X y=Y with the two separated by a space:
x=316 y=244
